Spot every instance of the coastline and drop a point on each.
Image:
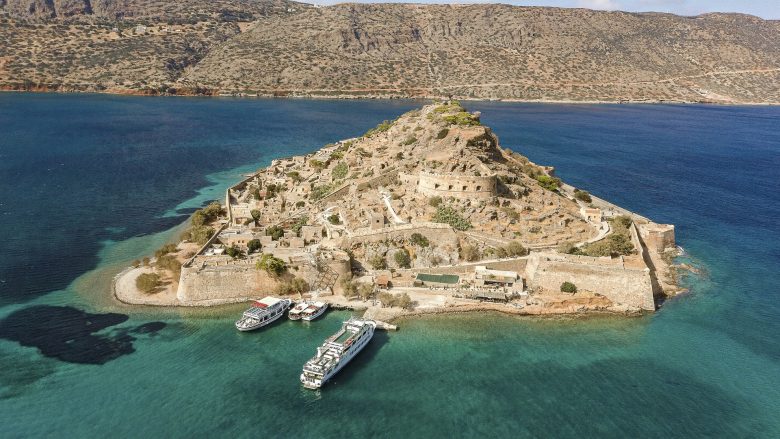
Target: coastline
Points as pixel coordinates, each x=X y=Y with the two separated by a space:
x=344 y=97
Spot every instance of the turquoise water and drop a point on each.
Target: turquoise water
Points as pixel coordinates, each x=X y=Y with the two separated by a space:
x=103 y=179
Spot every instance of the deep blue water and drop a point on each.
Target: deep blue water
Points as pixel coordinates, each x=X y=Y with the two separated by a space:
x=89 y=183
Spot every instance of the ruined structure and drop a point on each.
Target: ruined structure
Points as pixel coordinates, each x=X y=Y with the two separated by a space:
x=430 y=194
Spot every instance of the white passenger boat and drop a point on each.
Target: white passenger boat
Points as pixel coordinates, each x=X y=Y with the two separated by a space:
x=295 y=311
x=314 y=310
x=262 y=313
x=336 y=352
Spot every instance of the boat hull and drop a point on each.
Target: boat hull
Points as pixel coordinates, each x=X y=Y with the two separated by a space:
x=265 y=322
x=319 y=312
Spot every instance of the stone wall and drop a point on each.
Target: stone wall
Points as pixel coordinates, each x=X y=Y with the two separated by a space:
x=657 y=237
x=222 y=284
x=381 y=180
x=441 y=234
x=458 y=186
x=610 y=278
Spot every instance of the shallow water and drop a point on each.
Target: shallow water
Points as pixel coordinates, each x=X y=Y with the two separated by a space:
x=89 y=183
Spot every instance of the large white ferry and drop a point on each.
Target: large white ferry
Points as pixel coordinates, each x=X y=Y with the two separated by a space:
x=262 y=313
x=336 y=352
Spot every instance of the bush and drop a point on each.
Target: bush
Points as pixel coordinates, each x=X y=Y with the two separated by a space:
x=275 y=232
x=299 y=225
x=448 y=215
x=272 y=265
x=317 y=164
x=365 y=291
x=419 y=240
x=442 y=134
x=170 y=263
x=296 y=285
x=234 y=252
x=147 y=282
x=198 y=234
x=549 y=183
x=582 y=196
x=614 y=245
x=621 y=222
x=378 y=262
x=295 y=176
x=514 y=248
x=253 y=246
x=434 y=201
x=409 y=140
x=350 y=289
x=334 y=219
x=403 y=300
x=386 y=299
x=469 y=253
x=568 y=287
x=568 y=248
x=164 y=250
x=402 y=258
x=381 y=128
x=318 y=192
x=340 y=171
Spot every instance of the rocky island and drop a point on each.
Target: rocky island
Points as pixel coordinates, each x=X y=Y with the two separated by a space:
x=426 y=213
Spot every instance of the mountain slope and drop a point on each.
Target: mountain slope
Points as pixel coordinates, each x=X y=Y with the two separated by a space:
x=467 y=51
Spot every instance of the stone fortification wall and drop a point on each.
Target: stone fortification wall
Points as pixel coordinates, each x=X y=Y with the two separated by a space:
x=515 y=264
x=657 y=237
x=381 y=180
x=441 y=234
x=222 y=284
x=623 y=286
x=444 y=185
x=336 y=195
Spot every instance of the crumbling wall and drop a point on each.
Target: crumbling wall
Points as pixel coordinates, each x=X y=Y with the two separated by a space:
x=459 y=186
x=212 y=285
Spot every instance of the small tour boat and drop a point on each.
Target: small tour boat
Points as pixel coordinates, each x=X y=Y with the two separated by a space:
x=295 y=312
x=262 y=313
x=314 y=310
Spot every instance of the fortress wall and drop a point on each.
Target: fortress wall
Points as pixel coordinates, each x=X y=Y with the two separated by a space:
x=657 y=237
x=441 y=234
x=459 y=186
x=630 y=287
x=222 y=284
x=335 y=195
x=381 y=180
x=517 y=265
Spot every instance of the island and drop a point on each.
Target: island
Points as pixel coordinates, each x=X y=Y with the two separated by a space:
x=423 y=214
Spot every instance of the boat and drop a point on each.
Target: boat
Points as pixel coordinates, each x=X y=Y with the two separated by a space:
x=314 y=310
x=336 y=352
x=262 y=313
x=295 y=312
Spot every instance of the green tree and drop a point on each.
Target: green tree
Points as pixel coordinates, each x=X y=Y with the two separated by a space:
x=403 y=300
x=378 y=262
x=253 y=246
x=402 y=258
x=272 y=265
x=582 y=196
x=515 y=249
x=275 y=232
x=568 y=287
x=547 y=182
x=234 y=252
x=256 y=214
x=334 y=219
x=386 y=299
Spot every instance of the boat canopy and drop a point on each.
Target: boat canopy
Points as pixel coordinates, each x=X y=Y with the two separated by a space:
x=266 y=302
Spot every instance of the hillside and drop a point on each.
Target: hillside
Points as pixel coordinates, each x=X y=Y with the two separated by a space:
x=468 y=51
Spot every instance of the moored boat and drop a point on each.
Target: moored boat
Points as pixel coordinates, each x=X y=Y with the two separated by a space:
x=262 y=313
x=314 y=310
x=336 y=352
x=295 y=311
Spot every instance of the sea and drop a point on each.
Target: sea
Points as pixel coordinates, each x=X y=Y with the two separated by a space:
x=89 y=183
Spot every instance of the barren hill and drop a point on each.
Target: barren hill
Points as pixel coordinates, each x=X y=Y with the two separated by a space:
x=470 y=51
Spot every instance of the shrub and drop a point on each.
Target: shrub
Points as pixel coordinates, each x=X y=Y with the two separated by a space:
x=334 y=219
x=402 y=258
x=568 y=248
x=448 y=215
x=316 y=164
x=164 y=250
x=547 y=182
x=462 y=118
x=614 y=245
x=253 y=245
x=443 y=133
x=514 y=248
x=295 y=176
x=365 y=291
x=275 y=232
x=234 y=252
x=568 y=287
x=409 y=140
x=582 y=196
x=419 y=240
x=300 y=204
x=318 y=192
x=296 y=285
x=469 y=253
x=378 y=262
x=170 y=263
x=434 y=201
x=621 y=222
x=198 y=234
x=340 y=171
x=386 y=299
x=272 y=265
x=402 y=300
x=381 y=128
x=299 y=225
x=147 y=282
